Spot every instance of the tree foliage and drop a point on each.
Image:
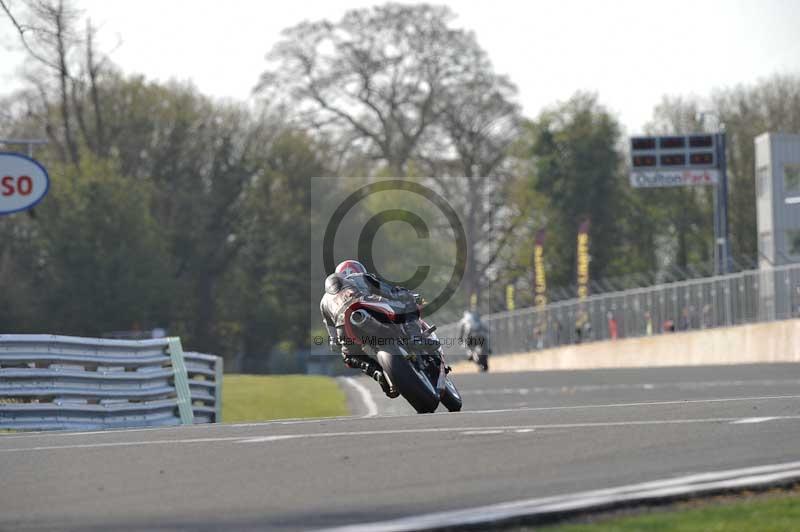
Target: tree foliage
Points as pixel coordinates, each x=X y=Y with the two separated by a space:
x=170 y=209
x=578 y=168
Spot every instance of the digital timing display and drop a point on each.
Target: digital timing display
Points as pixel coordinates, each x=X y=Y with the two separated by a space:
x=644 y=160
x=644 y=143
x=672 y=142
x=673 y=152
x=673 y=159
x=701 y=141
x=705 y=157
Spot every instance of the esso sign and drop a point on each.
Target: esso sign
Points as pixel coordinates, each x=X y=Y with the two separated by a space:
x=23 y=182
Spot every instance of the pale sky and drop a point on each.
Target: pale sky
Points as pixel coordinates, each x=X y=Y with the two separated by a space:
x=629 y=52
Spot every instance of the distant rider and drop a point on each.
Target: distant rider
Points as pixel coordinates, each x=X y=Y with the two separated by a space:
x=472 y=331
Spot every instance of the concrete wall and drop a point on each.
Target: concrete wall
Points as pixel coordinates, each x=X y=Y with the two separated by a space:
x=762 y=342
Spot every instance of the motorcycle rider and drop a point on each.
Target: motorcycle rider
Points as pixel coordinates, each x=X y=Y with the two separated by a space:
x=349 y=282
x=472 y=331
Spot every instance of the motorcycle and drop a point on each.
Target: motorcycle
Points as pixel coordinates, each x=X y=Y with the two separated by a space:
x=415 y=366
x=478 y=353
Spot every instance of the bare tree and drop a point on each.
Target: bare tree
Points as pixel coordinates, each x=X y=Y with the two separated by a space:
x=67 y=74
x=480 y=121
x=378 y=74
x=48 y=35
x=397 y=84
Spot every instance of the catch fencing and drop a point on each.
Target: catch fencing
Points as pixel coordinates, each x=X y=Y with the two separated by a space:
x=62 y=382
x=753 y=296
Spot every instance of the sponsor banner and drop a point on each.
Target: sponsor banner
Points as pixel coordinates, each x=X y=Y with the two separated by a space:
x=539 y=277
x=583 y=259
x=674 y=178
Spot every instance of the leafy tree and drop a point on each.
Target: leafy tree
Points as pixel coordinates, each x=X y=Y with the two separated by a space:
x=269 y=290
x=772 y=104
x=684 y=215
x=577 y=167
x=93 y=259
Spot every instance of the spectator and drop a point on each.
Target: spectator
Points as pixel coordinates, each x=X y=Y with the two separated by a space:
x=796 y=304
x=538 y=336
x=668 y=326
x=684 y=323
x=583 y=326
x=612 y=325
x=708 y=320
x=648 y=323
x=559 y=331
x=543 y=326
x=694 y=318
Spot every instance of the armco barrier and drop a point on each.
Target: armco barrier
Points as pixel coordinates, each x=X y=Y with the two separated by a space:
x=63 y=382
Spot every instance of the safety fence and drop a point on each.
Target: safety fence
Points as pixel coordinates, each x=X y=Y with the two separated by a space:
x=63 y=382
x=766 y=294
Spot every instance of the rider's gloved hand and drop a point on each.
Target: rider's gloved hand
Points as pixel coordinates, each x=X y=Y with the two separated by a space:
x=333 y=343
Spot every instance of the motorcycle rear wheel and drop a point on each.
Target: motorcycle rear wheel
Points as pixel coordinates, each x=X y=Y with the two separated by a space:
x=413 y=385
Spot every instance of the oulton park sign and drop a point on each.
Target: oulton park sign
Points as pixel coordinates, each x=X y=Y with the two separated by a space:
x=675 y=161
x=674 y=178
x=24 y=182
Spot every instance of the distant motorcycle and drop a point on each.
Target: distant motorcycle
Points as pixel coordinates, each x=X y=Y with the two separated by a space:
x=415 y=366
x=479 y=355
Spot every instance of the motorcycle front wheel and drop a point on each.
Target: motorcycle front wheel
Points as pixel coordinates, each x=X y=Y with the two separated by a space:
x=451 y=399
x=412 y=383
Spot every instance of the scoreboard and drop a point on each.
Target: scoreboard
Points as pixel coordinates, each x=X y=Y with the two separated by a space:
x=674 y=161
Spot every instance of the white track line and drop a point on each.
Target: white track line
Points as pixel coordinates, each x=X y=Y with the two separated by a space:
x=588 y=500
x=751 y=420
x=557 y=390
x=623 y=405
x=182 y=428
x=265 y=424
x=366 y=396
x=501 y=429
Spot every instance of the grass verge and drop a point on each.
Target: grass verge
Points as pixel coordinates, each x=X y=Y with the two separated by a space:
x=264 y=397
x=778 y=512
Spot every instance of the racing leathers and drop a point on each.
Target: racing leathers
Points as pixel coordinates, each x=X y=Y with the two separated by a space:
x=340 y=293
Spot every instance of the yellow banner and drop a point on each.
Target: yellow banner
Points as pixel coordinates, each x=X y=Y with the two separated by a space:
x=539 y=279
x=583 y=260
x=510 y=297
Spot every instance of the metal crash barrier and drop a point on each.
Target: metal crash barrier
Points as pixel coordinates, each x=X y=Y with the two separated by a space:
x=63 y=382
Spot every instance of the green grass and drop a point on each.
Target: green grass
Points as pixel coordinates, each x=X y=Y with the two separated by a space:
x=778 y=513
x=264 y=397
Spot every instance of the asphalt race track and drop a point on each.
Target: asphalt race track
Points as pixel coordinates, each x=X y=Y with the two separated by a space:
x=521 y=436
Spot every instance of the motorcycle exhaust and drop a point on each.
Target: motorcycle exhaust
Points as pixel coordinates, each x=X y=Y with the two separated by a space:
x=358 y=317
